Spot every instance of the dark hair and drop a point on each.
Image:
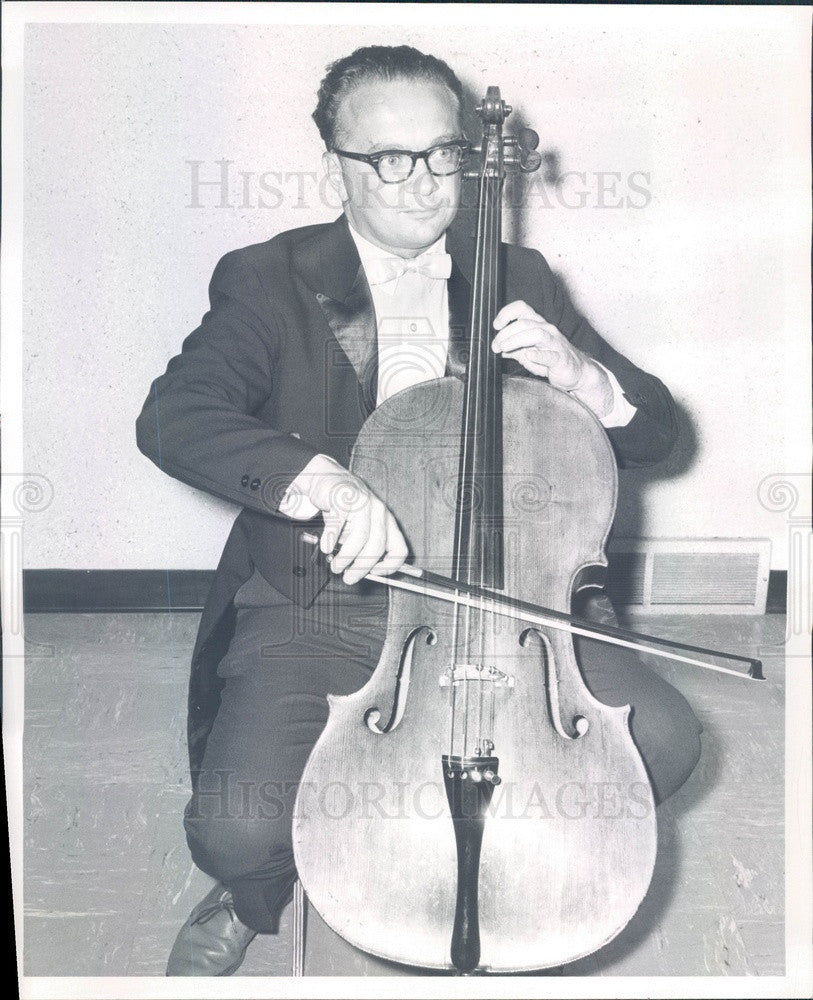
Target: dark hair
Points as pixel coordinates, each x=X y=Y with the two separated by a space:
x=376 y=62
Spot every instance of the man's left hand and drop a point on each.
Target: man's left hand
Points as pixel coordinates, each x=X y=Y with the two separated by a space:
x=540 y=348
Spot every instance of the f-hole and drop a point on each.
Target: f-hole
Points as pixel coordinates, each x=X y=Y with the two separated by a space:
x=578 y=725
x=399 y=699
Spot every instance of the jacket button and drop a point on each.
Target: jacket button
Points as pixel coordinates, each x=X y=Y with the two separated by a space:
x=244 y=481
x=255 y=484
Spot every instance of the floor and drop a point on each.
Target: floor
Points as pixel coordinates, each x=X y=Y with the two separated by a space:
x=108 y=880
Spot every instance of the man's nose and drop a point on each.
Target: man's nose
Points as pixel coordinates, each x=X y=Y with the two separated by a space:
x=423 y=182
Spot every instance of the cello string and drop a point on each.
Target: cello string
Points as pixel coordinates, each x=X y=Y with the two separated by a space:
x=462 y=486
x=487 y=408
x=497 y=430
x=473 y=422
x=481 y=470
x=497 y=436
x=458 y=542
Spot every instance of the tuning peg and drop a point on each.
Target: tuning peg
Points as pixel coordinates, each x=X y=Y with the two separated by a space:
x=528 y=139
x=530 y=161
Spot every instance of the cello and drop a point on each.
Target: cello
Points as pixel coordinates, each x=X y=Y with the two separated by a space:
x=509 y=810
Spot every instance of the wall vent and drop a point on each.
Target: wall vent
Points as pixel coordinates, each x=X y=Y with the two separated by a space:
x=690 y=575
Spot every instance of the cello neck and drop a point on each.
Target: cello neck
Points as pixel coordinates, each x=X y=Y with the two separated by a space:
x=478 y=528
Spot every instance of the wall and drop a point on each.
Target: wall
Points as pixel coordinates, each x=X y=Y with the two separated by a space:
x=692 y=260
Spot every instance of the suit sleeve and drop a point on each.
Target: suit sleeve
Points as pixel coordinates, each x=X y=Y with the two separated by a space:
x=651 y=434
x=197 y=423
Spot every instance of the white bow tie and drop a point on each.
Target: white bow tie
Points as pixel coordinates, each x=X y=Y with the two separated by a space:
x=432 y=265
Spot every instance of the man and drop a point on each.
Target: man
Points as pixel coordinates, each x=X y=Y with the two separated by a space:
x=306 y=334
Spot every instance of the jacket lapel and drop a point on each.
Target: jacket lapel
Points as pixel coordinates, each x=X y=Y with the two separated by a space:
x=344 y=297
x=459 y=306
x=352 y=323
x=461 y=247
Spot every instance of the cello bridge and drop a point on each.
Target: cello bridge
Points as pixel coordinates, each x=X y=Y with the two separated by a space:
x=477 y=673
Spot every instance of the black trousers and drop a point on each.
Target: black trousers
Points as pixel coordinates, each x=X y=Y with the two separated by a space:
x=281 y=663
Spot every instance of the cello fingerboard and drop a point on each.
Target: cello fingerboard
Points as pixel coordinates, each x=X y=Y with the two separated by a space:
x=478 y=552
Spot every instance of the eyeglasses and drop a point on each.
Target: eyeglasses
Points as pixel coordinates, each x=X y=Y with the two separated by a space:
x=394 y=166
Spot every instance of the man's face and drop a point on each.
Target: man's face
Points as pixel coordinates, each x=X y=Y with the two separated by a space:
x=404 y=218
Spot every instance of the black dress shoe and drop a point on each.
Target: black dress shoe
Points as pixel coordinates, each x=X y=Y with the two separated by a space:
x=213 y=941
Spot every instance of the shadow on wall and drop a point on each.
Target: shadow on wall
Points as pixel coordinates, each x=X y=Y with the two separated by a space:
x=518 y=185
x=630 y=521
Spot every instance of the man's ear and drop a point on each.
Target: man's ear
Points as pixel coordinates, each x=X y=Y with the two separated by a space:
x=335 y=176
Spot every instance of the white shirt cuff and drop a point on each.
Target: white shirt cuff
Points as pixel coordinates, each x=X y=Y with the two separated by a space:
x=622 y=410
x=296 y=503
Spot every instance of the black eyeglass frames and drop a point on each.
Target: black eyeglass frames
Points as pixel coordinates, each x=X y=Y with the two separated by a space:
x=394 y=166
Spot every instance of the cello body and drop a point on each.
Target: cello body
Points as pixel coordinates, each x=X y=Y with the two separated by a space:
x=473 y=806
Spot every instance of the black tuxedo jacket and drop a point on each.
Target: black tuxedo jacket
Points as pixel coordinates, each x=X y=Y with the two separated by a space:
x=282 y=367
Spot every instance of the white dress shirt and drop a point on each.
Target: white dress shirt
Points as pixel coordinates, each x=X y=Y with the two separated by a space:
x=412 y=318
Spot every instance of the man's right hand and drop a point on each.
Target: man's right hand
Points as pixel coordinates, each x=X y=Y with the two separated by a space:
x=368 y=535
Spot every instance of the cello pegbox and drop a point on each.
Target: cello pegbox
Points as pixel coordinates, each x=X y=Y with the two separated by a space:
x=492 y=109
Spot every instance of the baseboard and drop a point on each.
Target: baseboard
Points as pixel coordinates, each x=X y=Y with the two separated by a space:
x=99 y=590
x=78 y=590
